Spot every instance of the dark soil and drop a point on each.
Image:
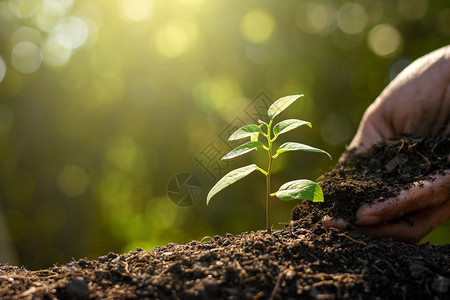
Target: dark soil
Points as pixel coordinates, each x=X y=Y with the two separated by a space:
x=381 y=172
x=302 y=261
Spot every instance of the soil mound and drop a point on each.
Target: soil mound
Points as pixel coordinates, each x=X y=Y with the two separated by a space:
x=302 y=261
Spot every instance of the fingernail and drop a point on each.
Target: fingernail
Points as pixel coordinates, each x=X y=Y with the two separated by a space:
x=368 y=220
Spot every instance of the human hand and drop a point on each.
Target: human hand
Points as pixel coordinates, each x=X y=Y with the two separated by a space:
x=407 y=217
x=417 y=101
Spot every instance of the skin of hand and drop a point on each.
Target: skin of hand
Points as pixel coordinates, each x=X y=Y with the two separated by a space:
x=417 y=101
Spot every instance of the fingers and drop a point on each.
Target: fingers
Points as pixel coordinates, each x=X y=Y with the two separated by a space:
x=410 y=229
x=422 y=196
x=407 y=217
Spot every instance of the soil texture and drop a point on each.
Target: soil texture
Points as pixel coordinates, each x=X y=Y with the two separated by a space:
x=381 y=172
x=302 y=261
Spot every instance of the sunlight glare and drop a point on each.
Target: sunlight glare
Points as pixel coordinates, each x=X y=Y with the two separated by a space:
x=176 y=37
x=214 y=94
x=135 y=10
x=198 y=6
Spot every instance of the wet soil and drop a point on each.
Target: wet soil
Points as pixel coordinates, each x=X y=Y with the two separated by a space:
x=302 y=261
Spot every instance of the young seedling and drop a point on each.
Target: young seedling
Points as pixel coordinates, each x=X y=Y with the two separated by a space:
x=302 y=189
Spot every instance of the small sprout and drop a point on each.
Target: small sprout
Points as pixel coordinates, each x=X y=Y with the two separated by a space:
x=298 y=189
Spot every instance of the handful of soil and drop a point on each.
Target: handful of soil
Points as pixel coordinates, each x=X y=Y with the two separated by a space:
x=383 y=171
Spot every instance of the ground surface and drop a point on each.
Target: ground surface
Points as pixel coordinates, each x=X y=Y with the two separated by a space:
x=303 y=260
x=291 y=263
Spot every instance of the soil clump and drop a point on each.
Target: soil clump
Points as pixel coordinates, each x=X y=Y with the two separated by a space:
x=382 y=171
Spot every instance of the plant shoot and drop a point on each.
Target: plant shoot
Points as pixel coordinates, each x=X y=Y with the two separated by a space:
x=302 y=189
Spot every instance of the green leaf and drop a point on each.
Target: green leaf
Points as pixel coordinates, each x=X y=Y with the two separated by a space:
x=244 y=132
x=288 y=125
x=289 y=146
x=300 y=189
x=281 y=104
x=242 y=149
x=229 y=179
x=254 y=137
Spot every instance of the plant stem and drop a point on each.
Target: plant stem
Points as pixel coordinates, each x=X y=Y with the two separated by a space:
x=269 y=171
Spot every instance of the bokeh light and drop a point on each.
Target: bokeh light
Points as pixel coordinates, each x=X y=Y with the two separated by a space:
x=176 y=37
x=26 y=33
x=26 y=57
x=352 y=18
x=44 y=21
x=317 y=17
x=135 y=10
x=24 y=8
x=71 y=32
x=54 y=54
x=56 y=8
x=384 y=40
x=258 y=26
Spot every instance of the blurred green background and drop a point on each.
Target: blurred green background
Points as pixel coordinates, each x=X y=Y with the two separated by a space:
x=102 y=103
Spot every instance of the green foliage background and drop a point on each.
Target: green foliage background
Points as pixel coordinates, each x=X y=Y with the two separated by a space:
x=99 y=113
